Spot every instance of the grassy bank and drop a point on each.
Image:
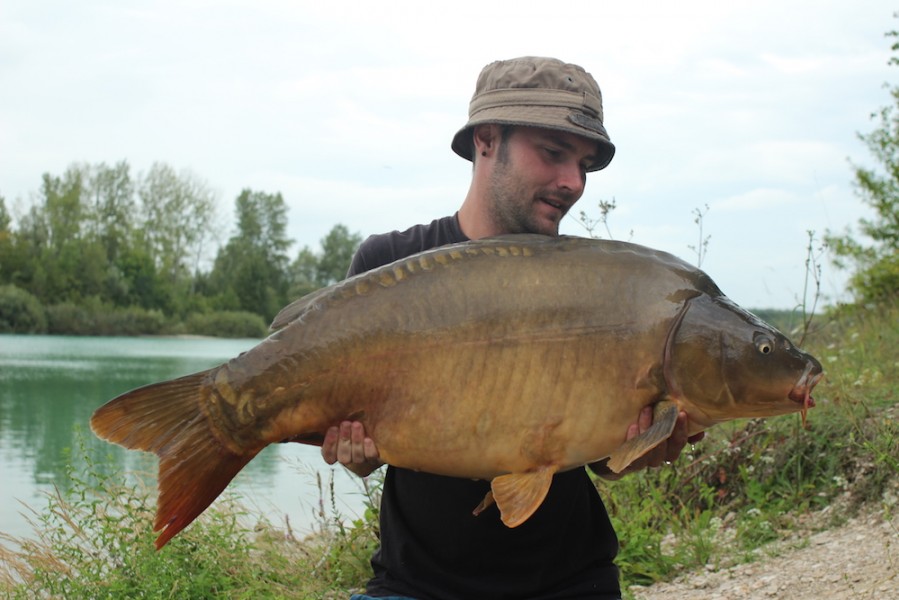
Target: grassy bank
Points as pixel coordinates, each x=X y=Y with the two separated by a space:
x=752 y=482
x=748 y=483
x=96 y=541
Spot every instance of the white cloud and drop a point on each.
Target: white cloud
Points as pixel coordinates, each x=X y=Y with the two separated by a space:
x=758 y=199
x=348 y=109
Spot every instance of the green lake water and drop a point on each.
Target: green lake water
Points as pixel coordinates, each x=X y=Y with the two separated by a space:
x=50 y=386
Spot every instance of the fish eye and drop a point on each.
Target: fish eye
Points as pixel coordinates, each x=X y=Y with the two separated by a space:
x=764 y=344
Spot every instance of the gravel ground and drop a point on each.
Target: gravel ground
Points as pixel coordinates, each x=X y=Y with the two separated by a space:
x=859 y=559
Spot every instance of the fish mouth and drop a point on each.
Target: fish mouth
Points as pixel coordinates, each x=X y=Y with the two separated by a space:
x=802 y=390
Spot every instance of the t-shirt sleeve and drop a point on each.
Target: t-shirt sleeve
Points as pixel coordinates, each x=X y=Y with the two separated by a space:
x=375 y=251
x=357 y=265
x=384 y=248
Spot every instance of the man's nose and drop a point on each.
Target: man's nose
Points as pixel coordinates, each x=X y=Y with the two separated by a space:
x=572 y=178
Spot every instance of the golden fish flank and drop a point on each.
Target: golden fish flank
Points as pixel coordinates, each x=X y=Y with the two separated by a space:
x=521 y=356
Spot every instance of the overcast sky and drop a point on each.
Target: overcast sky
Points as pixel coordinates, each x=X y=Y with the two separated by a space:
x=348 y=109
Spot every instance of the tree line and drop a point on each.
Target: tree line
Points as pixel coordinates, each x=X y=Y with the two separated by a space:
x=99 y=250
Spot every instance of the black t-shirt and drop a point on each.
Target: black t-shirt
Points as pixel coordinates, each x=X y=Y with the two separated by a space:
x=433 y=548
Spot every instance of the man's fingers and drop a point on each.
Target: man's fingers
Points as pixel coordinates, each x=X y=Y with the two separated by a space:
x=371 y=451
x=644 y=421
x=632 y=431
x=678 y=438
x=345 y=443
x=329 y=445
x=357 y=440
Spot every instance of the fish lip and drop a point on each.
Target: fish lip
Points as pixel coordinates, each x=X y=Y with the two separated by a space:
x=802 y=390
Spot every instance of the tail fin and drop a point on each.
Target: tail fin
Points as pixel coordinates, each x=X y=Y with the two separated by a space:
x=167 y=419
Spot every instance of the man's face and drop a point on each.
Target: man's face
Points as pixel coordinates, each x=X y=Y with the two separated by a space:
x=538 y=176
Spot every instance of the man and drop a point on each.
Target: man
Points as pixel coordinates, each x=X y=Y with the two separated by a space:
x=535 y=131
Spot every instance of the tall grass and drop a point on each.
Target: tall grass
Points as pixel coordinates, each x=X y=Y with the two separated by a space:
x=746 y=484
x=96 y=541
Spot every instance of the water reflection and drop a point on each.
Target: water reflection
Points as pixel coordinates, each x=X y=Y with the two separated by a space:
x=50 y=386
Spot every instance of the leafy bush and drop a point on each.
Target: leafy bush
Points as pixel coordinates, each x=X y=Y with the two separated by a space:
x=227 y=324
x=880 y=280
x=95 y=318
x=134 y=320
x=20 y=312
x=69 y=318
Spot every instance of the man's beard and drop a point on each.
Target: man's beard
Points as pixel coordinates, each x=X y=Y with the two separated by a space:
x=512 y=204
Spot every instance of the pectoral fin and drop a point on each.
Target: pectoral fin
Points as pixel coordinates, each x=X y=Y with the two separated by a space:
x=518 y=495
x=664 y=417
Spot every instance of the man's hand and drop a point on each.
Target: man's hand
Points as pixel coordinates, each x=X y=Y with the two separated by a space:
x=665 y=452
x=349 y=446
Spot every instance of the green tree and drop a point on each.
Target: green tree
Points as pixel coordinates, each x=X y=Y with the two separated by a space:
x=110 y=222
x=338 y=248
x=5 y=219
x=303 y=274
x=250 y=271
x=7 y=261
x=112 y=207
x=62 y=260
x=876 y=275
x=78 y=238
x=85 y=236
x=311 y=271
x=179 y=215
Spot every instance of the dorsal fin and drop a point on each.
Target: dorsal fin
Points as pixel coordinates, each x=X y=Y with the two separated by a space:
x=297 y=308
x=392 y=273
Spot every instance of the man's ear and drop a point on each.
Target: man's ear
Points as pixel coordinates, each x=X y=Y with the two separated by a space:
x=486 y=138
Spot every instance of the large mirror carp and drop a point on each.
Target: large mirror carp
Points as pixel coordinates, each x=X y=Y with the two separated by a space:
x=507 y=359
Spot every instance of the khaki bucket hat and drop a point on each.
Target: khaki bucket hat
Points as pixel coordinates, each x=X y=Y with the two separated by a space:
x=538 y=92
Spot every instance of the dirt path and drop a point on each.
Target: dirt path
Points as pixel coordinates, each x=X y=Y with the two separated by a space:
x=857 y=560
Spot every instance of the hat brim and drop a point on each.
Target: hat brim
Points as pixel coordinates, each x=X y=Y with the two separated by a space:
x=557 y=118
